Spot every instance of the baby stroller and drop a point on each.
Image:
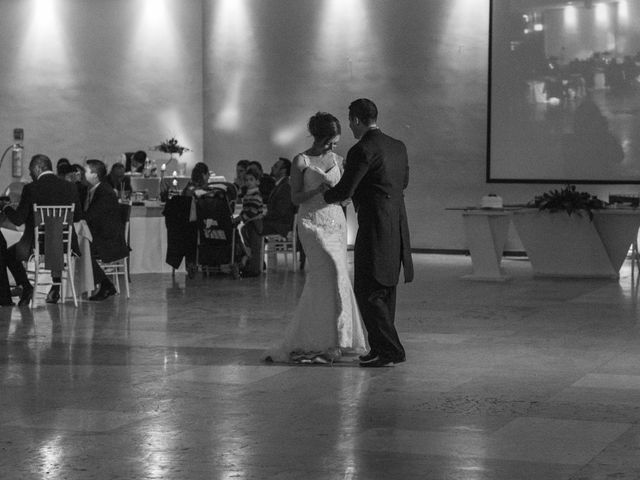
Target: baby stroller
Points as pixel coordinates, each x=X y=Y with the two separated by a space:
x=220 y=247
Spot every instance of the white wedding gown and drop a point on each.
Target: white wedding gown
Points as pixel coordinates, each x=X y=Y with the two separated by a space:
x=326 y=322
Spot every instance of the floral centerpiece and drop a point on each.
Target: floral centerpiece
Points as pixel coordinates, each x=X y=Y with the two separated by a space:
x=568 y=199
x=171 y=146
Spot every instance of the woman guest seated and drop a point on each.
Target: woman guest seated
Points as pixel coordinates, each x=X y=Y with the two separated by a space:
x=119 y=181
x=199 y=180
x=134 y=162
x=63 y=162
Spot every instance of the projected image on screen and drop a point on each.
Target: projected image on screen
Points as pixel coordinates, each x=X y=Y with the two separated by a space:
x=565 y=91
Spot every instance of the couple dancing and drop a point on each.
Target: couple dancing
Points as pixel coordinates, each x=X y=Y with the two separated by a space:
x=331 y=316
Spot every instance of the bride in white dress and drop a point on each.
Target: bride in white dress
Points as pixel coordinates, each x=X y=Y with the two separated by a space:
x=326 y=323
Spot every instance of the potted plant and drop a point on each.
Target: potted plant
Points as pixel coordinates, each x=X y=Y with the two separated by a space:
x=575 y=245
x=568 y=199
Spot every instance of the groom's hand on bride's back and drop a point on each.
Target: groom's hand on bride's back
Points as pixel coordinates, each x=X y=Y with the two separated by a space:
x=323 y=187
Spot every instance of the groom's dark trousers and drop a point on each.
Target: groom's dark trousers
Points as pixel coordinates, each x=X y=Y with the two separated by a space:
x=377 y=305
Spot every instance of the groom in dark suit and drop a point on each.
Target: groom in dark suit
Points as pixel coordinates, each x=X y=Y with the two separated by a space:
x=375 y=175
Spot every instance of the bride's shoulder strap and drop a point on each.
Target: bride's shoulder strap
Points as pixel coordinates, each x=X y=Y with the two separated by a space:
x=302 y=158
x=301 y=162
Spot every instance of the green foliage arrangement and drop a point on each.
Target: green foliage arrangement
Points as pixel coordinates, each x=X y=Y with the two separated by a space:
x=568 y=199
x=171 y=146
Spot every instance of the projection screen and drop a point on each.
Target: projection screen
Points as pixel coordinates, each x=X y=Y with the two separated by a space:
x=564 y=96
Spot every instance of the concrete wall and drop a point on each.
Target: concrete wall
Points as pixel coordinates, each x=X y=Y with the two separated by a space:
x=238 y=79
x=95 y=79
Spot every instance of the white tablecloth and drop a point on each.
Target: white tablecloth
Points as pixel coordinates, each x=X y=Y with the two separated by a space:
x=148 y=241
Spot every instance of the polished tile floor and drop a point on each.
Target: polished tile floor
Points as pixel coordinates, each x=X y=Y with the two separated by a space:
x=528 y=379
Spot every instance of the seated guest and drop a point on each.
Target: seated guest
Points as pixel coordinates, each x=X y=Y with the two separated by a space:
x=81 y=182
x=266 y=181
x=70 y=174
x=251 y=216
x=60 y=165
x=117 y=179
x=240 y=182
x=67 y=172
x=135 y=161
x=102 y=213
x=46 y=189
x=280 y=209
x=199 y=180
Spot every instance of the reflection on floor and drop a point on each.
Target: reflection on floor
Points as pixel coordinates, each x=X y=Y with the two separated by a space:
x=530 y=379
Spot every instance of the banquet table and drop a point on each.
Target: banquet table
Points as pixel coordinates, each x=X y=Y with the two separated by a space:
x=148 y=240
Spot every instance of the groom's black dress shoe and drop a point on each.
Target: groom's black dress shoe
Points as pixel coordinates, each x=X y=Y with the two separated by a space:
x=377 y=362
x=26 y=296
x=368 y=357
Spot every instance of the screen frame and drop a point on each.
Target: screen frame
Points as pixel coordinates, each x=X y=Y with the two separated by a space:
x=493 y=176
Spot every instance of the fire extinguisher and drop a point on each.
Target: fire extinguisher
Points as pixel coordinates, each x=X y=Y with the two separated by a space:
x=16 y=153
x=16 y=161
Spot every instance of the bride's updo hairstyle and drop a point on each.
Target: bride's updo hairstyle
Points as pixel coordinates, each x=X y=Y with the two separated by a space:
x=323 y=126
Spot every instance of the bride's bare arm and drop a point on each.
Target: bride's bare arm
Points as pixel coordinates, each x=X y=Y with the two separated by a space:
x=298 y=195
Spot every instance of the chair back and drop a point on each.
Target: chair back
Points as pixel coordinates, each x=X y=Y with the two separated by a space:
x=53 y=233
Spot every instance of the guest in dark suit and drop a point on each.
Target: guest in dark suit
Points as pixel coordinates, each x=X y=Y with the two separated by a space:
x=267 y=182
x=102 y=213
x=280 y=209
x=376 y=173
x=81 y=182
x=46 y=189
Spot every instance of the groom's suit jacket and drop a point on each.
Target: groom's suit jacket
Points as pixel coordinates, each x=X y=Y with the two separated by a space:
x=376 y=172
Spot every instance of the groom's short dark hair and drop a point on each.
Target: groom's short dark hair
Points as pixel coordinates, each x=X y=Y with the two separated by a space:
x=364 y=110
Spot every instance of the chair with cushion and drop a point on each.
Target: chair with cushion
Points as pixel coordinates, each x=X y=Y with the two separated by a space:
x=53 y=234
x=119 y=267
